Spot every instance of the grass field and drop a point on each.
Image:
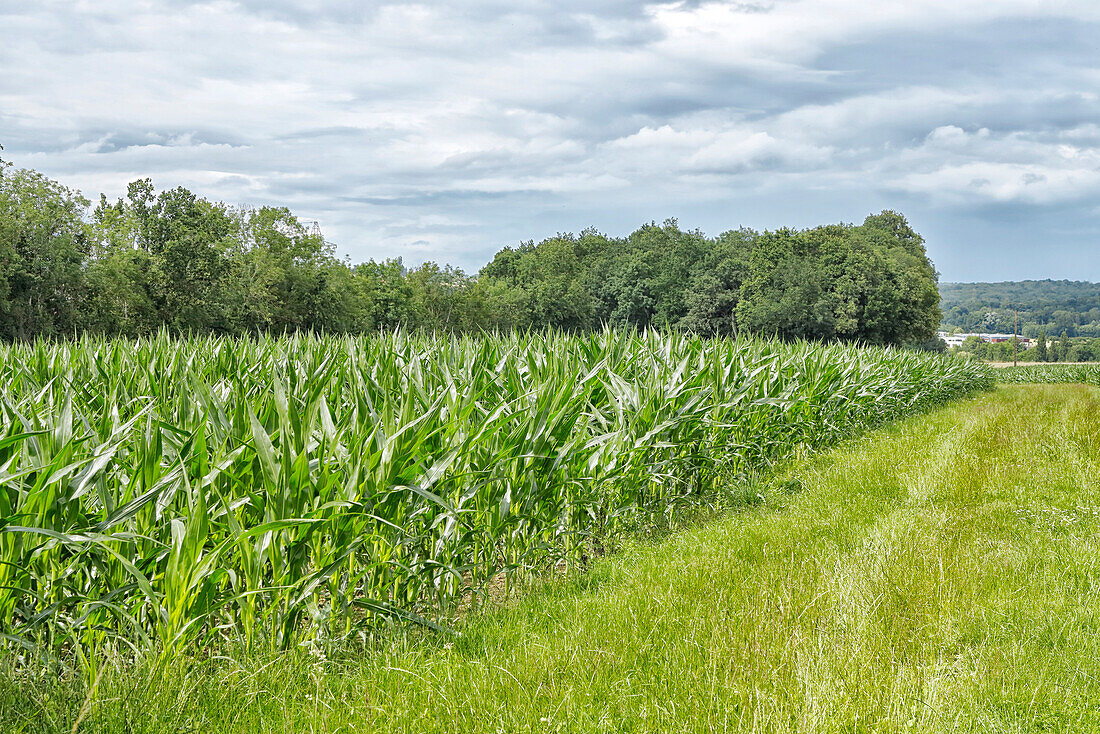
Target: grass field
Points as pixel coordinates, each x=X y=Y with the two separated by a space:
x=936 y=575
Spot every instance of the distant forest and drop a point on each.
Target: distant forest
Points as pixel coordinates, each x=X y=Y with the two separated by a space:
x=173 y=260
x=1053 y=307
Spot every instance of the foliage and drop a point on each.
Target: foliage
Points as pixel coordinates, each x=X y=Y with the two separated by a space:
x=1054 y=373
x=43 y=244
x=937 y=576
x=164 y=493
x=872 y=283
x=1004 y=351
x=1041 y=349
x=172 y=259
x=1050 y=305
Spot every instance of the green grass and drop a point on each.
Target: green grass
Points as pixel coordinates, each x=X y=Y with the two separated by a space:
x=938 y=575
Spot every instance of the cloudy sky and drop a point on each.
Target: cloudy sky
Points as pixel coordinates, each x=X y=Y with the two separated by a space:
x=445 y=131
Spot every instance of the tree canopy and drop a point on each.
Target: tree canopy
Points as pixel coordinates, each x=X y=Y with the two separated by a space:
x=1052 y=306
x=174 y=260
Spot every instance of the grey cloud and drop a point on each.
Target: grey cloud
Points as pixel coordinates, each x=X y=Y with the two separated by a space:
x=451 y=129
x=113 y=142
x=316 y=133
x=311 y=14
x=429 y=197
x=1008 y=52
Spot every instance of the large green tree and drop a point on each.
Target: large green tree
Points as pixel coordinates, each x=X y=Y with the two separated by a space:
x=119 y=297
x=1041 y=347
x=44 y=242
x=284 y=277
x=711 y=296
x=548 y=280
x=873 y=283
x=786 y=292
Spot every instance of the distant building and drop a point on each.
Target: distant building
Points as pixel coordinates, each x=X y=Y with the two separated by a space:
x=954 y=341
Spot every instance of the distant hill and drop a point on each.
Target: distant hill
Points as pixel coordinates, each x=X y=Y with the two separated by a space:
x=1072 y=306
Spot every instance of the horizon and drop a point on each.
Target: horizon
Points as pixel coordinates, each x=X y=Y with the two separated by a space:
x=1022 y=280
x=444 y=132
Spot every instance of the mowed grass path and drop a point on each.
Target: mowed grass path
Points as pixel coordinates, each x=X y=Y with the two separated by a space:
x=939 y=575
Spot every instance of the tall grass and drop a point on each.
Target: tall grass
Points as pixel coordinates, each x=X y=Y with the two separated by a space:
x=163 y=494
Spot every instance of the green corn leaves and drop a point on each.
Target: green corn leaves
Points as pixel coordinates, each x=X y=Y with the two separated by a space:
x=163 y=493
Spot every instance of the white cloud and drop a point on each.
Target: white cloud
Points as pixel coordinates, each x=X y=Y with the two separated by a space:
x=782 y=34
x=957 y=166
x=466 y=126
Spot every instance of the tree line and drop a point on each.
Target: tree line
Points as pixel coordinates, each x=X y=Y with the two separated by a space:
x=1032 y=306
x=1046 y=348
x=174 y=260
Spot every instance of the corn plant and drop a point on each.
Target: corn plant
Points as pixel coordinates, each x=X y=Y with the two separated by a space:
x=166 y=493
x=1088 y=374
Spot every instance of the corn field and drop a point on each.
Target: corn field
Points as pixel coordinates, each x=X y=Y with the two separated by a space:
x=1050 y=373
x=165 y=494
